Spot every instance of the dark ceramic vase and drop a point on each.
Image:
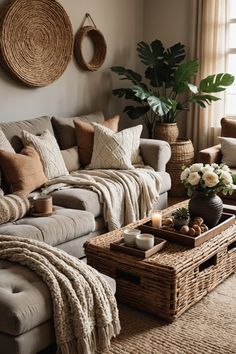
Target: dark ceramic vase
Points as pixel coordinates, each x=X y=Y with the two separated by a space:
x=209 y=207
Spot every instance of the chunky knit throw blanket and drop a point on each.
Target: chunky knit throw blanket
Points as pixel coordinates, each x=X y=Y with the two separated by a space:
x=84 y=307
x=127 y=195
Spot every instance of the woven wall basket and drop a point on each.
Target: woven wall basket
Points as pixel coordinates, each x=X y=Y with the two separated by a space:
x=36 y=41
x=99 y=44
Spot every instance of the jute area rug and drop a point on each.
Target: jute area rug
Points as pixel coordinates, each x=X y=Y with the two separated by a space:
x=209 y=327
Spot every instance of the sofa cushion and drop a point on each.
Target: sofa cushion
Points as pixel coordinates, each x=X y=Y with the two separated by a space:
x=228 y=151
x=13 y=130
x=49 y=152
x=78 y=198
x=4 y=143
x=114 y=150
x=25 y=301
x=23 y=172
x=71 y=158
x=228 y=127
x=165 y=182
x=13 y=207
x=85 y=137
x=65 y=131
x=62 y=226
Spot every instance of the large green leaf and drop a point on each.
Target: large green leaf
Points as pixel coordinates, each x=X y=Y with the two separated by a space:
x=203 y=100
x=141 y=92
x=160 y=105
x=136 y=112
x=216 y=83
x=150 y=54
x=183 y=74
x=126 y=74
x=126 y=93
x=174 y=55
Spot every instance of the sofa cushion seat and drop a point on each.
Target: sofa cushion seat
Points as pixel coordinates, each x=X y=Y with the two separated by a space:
x=165 y=182
x=78 y=198
x=64 y=225
x=25 y=301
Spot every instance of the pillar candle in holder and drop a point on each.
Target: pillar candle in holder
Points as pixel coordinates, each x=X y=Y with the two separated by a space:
x=156 y=219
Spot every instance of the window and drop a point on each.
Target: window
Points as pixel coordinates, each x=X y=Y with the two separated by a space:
x=231 y=57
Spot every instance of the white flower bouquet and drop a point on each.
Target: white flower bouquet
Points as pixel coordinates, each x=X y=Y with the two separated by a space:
x=207 y=179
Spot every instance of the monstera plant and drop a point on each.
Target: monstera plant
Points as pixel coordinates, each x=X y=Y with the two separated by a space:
x=168 y=88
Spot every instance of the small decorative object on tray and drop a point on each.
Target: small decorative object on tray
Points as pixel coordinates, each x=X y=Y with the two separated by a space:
x=181 y=217
x=120 y=246
x=156 y=218
x=192 y=234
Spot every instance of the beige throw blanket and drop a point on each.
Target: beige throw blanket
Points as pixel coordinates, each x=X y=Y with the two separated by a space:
x=127 y=195
x=84 y=307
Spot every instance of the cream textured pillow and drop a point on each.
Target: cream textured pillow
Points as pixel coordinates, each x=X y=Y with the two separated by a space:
x=4 y=143
x=113 y=150
x=49 y=152
x=228 y=150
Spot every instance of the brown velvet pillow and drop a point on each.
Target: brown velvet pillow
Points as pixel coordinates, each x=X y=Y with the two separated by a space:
x=85 y=136
x=228 y=127
x=24 y=171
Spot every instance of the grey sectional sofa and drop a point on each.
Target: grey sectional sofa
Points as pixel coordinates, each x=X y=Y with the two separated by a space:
x=26 y=325
x=84 y=204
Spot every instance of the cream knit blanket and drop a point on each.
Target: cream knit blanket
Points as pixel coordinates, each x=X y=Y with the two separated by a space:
x=126 y=195
x=84 y=307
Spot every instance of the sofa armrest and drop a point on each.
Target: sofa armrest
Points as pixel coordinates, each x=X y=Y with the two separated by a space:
x=210 y=155
x=155 y=153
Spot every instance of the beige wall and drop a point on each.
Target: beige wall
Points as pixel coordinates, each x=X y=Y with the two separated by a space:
x=77 y=91
x=124 y=23
x=169 y=21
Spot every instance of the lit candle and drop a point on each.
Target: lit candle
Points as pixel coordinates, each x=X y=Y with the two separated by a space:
x=156 y=219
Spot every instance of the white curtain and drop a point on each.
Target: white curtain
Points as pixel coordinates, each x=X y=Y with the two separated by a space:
x=208 y=45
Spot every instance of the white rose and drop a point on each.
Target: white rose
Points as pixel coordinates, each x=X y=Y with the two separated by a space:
x=225 y=168
x=184 y=174
x=196 y=167
x=207 y=168
x=194 y=178
x=226 y=177
x=210 y=178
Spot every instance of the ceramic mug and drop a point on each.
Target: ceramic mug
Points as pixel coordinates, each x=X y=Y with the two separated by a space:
x=130 y=236
x=145 y=241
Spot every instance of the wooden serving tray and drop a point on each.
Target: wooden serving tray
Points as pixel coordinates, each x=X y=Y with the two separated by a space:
x=120 y=246
x=226 y=221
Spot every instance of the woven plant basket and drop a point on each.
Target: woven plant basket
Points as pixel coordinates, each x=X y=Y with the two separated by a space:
x=36 y=41
x=182 y=153
x=100 y=48
x=166 y=131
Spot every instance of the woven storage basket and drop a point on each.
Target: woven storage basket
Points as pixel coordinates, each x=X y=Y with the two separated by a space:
x=100 y=48
x=182 y=153
x=166 y=131
x=36 y=40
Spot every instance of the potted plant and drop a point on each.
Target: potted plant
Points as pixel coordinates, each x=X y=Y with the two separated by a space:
x=168 y=89
x=181 y=217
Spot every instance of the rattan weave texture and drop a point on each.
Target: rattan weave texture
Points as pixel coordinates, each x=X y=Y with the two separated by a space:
x=36 y=41
x=100 y=48
x=170 y=281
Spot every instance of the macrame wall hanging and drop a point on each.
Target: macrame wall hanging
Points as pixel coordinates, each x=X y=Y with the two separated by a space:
x=99 y=46
x=36 y=41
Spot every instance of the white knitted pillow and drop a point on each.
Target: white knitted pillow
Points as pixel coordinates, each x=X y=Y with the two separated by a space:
x=49 y=152
x=13 y=207
x=4 y=143
x=114 y=150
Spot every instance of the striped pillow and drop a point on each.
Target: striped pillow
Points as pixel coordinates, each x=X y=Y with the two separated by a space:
x=13 y=207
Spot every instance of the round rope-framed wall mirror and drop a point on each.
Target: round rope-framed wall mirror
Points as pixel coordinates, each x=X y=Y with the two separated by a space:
x=99 y=48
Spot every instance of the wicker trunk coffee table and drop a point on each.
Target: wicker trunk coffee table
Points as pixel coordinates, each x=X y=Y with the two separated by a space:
x=170 y=281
